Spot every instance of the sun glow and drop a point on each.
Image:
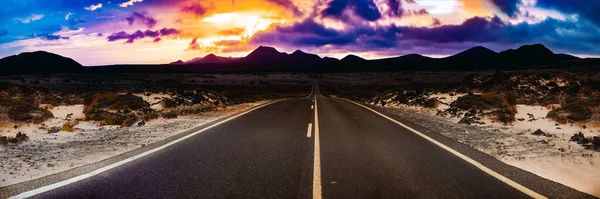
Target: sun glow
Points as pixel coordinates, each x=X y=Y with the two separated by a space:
x=251 y=22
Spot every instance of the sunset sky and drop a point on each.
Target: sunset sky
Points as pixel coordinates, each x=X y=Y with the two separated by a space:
x=99 y=32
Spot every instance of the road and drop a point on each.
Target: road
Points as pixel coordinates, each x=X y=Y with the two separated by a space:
x=302 y=148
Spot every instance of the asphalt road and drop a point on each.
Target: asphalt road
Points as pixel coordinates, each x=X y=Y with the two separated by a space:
x=350 y=152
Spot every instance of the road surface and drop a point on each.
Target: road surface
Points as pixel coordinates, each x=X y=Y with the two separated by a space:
x=302 y=148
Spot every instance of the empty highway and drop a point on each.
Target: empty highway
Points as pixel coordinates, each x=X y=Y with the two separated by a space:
x=314 y=147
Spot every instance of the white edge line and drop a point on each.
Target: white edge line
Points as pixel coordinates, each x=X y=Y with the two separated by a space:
x=309 y=131
x=317 y=194
x=489 y=171
x=111 y=166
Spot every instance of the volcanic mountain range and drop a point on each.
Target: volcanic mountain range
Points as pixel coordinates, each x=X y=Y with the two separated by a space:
x=266 y=58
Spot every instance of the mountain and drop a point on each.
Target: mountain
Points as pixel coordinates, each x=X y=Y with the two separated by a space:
x=38 y=62
x=352 y=58
x=178 y=62
x=299 y=56
x=531 y=55
x=478 y=51
x=330 y=59
x=212 y=59
x=264 y=54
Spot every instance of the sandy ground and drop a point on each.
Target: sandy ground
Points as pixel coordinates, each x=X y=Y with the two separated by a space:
x=46 y=154
x=555 y=158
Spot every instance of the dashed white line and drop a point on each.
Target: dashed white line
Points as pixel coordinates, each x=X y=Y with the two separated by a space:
x=480 y=166
x=317 y=158
x=309 y=131
x=111 y=166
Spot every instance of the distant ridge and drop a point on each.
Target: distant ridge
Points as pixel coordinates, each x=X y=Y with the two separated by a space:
x=352 y=58
x=266 y=58
x=478 y=51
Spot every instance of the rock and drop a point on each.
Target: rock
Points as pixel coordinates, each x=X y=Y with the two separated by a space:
x=538 y=132
x=69 y=115
x=530 y=116
x=54 y=129
x=466 y=120
x=561 y=149
x=544 y=142
x=596 y=141
x=584 y=126
x=141 y=123
x=579 y=138
x=521 y=119
x=20 y=137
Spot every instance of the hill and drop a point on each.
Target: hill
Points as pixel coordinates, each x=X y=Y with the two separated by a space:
x=38 y=62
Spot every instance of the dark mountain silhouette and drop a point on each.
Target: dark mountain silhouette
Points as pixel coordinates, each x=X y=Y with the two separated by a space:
x=178 y=62
x=264 y=54
x=38 y=62
x=299 y=56
x=352 y=58
x=330 y=60
x=212 y=59
x=265 y=59
x=478 y=51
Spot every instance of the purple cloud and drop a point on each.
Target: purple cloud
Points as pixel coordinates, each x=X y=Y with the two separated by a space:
x=137 y=17
x=507 y=6
x=142 y=34
x=365 y=9
x=195 y=9
x=490 y=30
x=169 y=31
x=51 y=37
x=395 y=8
x=194 y=45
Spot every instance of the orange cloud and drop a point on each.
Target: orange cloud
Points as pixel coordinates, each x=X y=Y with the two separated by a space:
x=234 y=31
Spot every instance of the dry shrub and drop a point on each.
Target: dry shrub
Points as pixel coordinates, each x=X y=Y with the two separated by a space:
x=170 y=115
x=130 y=121
x=431 y=103
x=69 y=126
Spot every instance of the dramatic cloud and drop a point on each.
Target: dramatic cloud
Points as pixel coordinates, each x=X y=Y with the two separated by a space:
x=395 y=8
x=52 y=37
x=194 y=45
x=416 y=12
x=93 y=7
x=329 y=27
x=367 y=38
x=129 y=3
x=235 y=31
x=137 y=17
x=195 y=9
x=130 y=38
x=169 y=32
x=30 y=18
x=365 y=9
x=288 y=4
x=227 y=43
x=436 y=22
x=586 y=9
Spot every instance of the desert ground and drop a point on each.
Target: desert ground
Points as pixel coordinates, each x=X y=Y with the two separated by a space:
x=545 y=122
